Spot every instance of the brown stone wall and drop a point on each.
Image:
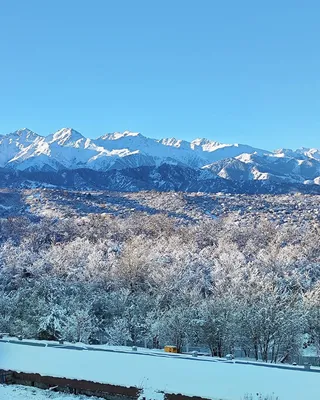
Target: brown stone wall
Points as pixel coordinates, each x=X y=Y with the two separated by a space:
x=109 y=392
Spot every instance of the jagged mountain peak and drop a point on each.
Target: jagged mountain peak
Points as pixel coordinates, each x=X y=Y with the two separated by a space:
x=65 y=136
x=16 y=142
x=24 y=133
x=285 y=153
x=309 y=152
x=206 y=144
x=301 y=153
x=173 y=142
x=246 y=157
x=120 y=135
x=202 y=141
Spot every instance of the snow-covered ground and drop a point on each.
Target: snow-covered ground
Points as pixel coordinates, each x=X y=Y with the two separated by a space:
x=16 y=392
x=159 y=372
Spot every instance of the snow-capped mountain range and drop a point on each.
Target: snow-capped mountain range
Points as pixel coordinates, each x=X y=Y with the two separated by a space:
x=68 y=149
x=27 y=152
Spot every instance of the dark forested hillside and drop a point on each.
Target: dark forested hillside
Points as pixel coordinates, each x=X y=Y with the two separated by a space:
x=166 y=177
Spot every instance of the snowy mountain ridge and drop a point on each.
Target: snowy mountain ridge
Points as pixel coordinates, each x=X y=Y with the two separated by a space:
x=68 y=149
x=71 y=149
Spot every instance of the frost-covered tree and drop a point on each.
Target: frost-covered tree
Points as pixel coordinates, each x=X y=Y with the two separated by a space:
x=52 y=325
x=216 y=321
x=156 y=280
x=79 y=326
x=118 y=333
x=312 y=313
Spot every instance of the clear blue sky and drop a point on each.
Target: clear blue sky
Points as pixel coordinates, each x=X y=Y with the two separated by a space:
x=233 y=71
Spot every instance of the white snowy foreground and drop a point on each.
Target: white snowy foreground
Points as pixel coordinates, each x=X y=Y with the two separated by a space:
x=156 y=372
x=16 y=392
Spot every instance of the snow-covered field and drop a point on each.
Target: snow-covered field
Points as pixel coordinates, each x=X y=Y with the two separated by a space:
x=16 y=392
x=157 y=372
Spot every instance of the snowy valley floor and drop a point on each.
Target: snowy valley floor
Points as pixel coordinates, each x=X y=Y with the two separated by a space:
x=154 y=372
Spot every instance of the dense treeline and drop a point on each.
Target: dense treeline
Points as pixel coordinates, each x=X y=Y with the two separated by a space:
x=150 y=280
